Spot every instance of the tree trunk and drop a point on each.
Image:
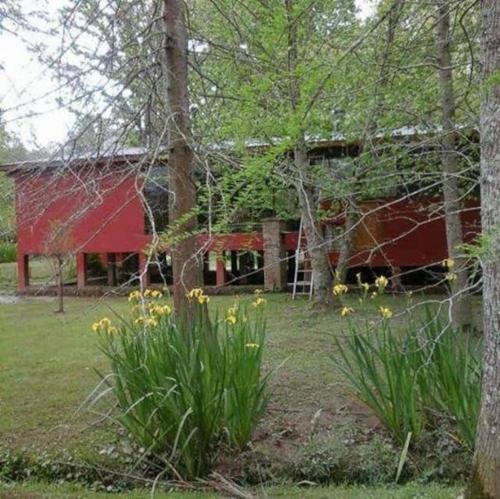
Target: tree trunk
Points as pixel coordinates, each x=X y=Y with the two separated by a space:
x=460 y=310
x=182 y=209
x=347 y=242
x=352 y=215
x=316 y=245
x=485 y=482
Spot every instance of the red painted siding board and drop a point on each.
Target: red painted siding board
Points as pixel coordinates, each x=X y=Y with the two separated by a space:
x=101 y=214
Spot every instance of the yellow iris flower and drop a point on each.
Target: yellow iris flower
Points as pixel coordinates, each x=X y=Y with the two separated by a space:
x=381 y=282
x=340 y=289
x=385 y=312
x=449 y=263
x=104 y=326
x=346 y=311
x=231 y=319
x=258 y=301
x=198 y=294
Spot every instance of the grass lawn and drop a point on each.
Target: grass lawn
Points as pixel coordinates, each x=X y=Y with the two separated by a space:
x=411 y=491
x=48 y=363
x=41 y=273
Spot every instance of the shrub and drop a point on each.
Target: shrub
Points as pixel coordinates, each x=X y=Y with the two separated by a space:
x=411 y=379
x=8 y=252
x=441 y=457
x=332 y=458
x=185 y=388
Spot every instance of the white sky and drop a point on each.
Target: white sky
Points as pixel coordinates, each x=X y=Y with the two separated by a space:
x=28 y=95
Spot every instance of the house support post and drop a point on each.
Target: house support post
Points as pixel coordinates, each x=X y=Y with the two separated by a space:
x=111 y=269
x=220 y=270
x=23 y=272
x=274 y=254
x=81 y=280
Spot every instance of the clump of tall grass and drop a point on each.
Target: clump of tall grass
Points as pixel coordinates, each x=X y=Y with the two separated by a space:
x=187 y=387
x=450 y=378
x=411 y=378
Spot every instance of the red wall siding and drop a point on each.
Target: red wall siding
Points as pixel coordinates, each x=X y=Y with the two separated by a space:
x=414 y=232
x=236 y=241
x=98 y=213
x=406 y=233
x=104 y=214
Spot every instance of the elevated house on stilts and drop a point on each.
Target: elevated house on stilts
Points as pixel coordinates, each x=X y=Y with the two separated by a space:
x=108 y=210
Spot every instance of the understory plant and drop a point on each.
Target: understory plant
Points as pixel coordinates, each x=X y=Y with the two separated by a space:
x=7 y=252
x=186 y=387
x=412 y=378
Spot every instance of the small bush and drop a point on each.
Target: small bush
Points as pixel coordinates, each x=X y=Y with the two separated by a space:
x=186 y=388
x=64 y=467
x=440 y=457
x=412 y=379
x=333 y=458
x=8 y=252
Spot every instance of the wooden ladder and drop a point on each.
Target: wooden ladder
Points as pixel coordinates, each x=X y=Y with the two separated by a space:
x=303 y=281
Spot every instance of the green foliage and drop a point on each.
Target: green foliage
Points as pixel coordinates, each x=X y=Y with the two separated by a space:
x=65 y=467
x=259 y=119
x=7 y=215
x=381 y=368
x=8 y=252
x=249 y=100
x=409 y=380
x=187 y=387
x=449 y=377
x=484 y=247
x=339 y=458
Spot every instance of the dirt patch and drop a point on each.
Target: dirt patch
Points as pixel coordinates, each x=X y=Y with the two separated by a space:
x=6 y=299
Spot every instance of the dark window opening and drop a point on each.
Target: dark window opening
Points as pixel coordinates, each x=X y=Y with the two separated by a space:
x=111 y=269
x=95 y=269
x=160 y=269
x=422 y=276
x=245 y=268
x=127 y=267
x=242 y=268
x=209 y=269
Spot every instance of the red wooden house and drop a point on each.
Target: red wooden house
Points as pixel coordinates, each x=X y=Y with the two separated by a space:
x=96 y=209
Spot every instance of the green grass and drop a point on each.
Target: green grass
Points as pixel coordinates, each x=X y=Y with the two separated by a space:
x=410 y=491
x=48 y=363
x=41 y=272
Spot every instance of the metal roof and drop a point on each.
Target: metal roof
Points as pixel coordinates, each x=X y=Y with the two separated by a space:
x=117 y=155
